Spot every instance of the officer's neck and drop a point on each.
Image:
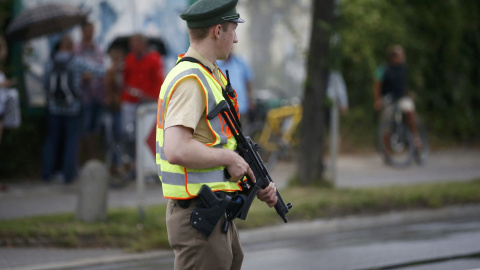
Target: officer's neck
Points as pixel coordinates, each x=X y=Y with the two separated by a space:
x=206 y=50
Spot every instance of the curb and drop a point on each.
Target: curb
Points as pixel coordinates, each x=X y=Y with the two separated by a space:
x=118 y=258
x=289 y=230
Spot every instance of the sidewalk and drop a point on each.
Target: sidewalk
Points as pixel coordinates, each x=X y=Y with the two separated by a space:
x=38 y=198
x=23 y=200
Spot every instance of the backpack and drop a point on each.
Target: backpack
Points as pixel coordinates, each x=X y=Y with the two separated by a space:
x=60 y=88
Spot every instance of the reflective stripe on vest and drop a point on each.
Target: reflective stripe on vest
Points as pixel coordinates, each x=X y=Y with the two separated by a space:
x=179 y=182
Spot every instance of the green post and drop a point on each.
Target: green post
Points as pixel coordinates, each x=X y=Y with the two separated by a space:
x=16 y=49
x=16 y=57
x=19 y=68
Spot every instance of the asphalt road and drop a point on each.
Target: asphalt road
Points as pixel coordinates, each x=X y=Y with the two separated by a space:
x=375 y=248
x=440 y=245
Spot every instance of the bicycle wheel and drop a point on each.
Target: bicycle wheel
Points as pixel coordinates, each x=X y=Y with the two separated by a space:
x=422 y=153
x=396 y=144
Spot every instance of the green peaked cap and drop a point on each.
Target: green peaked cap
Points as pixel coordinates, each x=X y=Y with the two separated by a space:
x=205 y=13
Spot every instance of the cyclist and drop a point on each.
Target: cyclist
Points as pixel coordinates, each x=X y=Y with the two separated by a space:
x=390 y=87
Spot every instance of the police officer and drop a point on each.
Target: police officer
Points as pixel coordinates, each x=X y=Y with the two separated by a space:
x=194 y=150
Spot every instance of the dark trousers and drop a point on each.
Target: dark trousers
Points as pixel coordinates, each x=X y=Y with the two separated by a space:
x=112 y=135
x=61 y=143
x=91 y=116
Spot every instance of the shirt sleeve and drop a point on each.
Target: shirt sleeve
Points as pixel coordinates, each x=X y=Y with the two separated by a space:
x=379 y=73
x=186 y=106
x=248 y=71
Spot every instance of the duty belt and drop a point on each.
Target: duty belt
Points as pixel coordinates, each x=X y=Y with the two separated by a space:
x=220 y=194
x=212 y=206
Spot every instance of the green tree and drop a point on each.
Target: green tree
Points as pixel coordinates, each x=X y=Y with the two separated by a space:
x=443 y=47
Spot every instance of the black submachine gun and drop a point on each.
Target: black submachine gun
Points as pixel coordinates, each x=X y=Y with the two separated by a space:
x=249 y=151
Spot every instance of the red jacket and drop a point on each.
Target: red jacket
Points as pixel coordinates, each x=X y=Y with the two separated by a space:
x=145 y=74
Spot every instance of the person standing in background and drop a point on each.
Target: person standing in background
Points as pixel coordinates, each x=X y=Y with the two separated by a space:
x=241 y=77
x=93 y=93
x=5 y=84
x=143 y=77
x=62 y=81
x=8 y=96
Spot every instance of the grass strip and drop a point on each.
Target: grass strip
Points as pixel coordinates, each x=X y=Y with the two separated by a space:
x=125 y=230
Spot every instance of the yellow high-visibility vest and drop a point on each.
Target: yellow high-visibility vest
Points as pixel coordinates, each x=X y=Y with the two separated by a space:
x=179 y=182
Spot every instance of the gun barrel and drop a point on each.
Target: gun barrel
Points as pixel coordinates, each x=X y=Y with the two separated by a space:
x=281 y=208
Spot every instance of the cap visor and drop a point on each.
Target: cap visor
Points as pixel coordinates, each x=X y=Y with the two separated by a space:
x=239 y=20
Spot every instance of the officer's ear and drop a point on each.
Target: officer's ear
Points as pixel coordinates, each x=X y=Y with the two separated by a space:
x=217 y=29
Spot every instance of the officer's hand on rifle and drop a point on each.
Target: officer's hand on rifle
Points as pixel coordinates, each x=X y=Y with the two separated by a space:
x=268 y=195
x=238 y=168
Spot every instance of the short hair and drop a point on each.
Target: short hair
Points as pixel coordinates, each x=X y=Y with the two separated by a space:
x=393 y=50
x=197 y=34
x=86 y=24
x=139 y=37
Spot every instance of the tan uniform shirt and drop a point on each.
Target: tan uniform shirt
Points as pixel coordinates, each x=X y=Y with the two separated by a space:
x=187 y=104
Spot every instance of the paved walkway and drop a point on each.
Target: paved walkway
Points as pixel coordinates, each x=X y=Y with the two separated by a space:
x=30 y=199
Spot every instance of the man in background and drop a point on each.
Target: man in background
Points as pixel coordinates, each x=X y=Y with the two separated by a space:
x=241 y=77
x=390 y=87
x=63 y=79
x=143 y=77
x=93 y=94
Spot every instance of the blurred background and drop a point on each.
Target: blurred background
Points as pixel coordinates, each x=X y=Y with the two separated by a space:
x=439 y=37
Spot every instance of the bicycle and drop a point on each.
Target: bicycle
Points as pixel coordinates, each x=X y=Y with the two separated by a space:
x=275 y=131
x=395 y=140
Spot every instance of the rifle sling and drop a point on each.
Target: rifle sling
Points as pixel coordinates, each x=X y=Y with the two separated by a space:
x=224 y=92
